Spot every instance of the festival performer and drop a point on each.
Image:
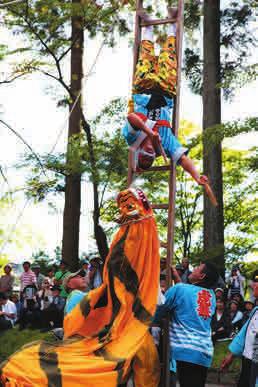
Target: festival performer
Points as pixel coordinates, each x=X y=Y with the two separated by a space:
x=148 y=130
x=109 y=327
x=191 y=307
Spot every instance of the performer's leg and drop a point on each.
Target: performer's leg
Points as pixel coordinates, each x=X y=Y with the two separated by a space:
x=167 y=63
x=145 y=68
x=146 y=367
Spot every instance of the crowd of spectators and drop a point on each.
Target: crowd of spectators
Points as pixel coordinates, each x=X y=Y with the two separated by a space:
x=40 y=301
x=232 y=310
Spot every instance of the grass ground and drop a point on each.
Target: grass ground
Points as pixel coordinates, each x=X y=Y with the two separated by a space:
x=14 y=339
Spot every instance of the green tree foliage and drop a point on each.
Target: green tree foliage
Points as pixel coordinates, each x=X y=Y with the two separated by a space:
x=111 y=155
x=237 y=41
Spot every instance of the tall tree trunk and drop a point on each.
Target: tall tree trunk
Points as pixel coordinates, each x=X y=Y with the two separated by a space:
x=99 y=233
x=72 y=208
x=212 y=160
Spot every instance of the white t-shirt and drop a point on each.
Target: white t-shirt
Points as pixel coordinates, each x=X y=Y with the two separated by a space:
x=10 y=307
x=251 y=332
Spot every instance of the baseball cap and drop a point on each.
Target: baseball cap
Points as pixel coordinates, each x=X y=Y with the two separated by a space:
x=80 y=273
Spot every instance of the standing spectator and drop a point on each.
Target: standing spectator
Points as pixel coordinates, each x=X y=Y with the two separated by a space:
x=52 y=316
x=28 y=277
x=191 y=307
x=8 y=313
x=187 y=271
x=245 y=345
x=235 y=315
x=39 y=276
x=7 y=280
x=235 y=283
x=45 y=295
x=220 y=323
x=51 y=276
x=95 y=274
x=248 y=307
x=251 y=285
x=60 y=276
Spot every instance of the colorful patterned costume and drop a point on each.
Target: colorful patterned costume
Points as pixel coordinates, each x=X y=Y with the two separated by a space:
x=158 y=73
x=109 y=327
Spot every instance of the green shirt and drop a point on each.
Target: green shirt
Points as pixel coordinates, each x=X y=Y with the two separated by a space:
x=60 y=275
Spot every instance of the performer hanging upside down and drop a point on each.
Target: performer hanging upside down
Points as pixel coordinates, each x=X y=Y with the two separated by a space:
x=153 y=91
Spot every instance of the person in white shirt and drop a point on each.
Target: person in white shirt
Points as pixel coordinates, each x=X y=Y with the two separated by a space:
x=8 y=313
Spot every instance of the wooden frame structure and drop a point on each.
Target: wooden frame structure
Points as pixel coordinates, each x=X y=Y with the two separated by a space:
x=170 y=206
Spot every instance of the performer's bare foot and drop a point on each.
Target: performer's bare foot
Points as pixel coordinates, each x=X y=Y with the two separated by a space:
x=172 y=12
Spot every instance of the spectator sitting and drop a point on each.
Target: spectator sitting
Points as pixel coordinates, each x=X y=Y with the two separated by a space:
x=85 y=266
x=219 y=293
x=235 y=315
x=240 y=300
x=45 y=295
x=236 y=283
x=163 y=266
x=7 y=280
x=180 y=270
x=51 y=276
x=60 y=276
x=52 y=316
x=16 y=300
x=187 y=271
x=95 y=274
x=245 y=345
x=39 y=276
x=27 y=278
x=248 y=307
x=30 y=313
x=163 y=283
x=8 y=313
x=220 y=323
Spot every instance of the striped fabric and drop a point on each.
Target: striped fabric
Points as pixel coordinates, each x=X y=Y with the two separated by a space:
x=28 y=278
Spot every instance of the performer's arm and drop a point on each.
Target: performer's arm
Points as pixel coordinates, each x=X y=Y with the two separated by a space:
x=139 y=124
x=189 y=167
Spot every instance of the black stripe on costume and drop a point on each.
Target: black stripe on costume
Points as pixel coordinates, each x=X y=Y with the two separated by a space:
x=48 y=360
x=141 y=313
x=85 y=306
x=103 y=300
x=108 y=357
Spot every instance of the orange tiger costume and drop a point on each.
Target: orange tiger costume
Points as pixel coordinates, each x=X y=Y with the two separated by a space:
x=107 y=331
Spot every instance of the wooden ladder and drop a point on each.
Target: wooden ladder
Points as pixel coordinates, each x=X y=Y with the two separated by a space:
x=170 y=206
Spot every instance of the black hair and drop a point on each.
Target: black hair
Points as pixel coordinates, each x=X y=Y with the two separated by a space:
x=212 y=275
x=26 y=263
x=3 y=296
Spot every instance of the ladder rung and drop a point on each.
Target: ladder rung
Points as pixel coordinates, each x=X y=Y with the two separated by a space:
x=156 y=22
x=158 y=168
x=160 y=206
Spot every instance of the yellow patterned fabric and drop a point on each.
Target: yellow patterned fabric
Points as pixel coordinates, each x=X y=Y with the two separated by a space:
x=106 y=334
x=156 y=72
